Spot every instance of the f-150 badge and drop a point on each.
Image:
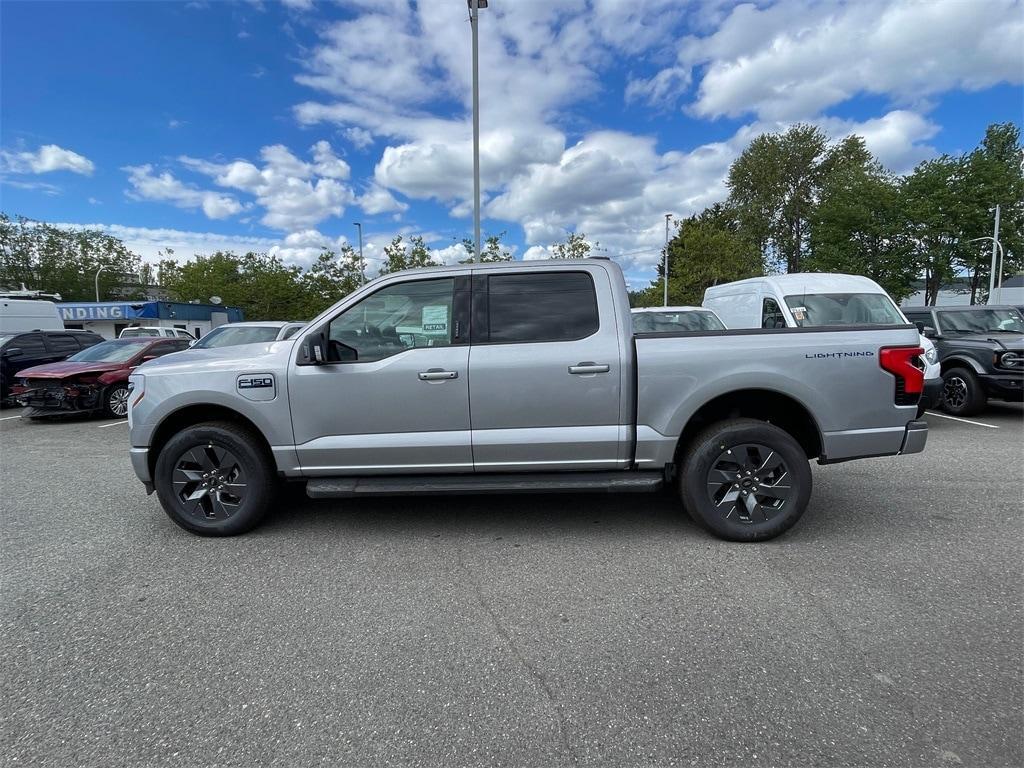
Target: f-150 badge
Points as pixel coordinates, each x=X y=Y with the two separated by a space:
x=257 y=386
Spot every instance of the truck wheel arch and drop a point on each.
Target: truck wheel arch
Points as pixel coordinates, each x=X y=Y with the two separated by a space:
x=190 y=415
x=768 y=405
x=961 y=361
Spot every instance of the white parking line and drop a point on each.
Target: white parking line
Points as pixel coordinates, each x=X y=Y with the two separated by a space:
x=104 y=426
x=965 y=421
x=5 y=418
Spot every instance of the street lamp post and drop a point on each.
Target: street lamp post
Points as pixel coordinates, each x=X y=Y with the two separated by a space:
x=362 y=261
x=995 y=241
x=668 y=217
x=992 y=285
x=98 y=282
x=474 y=7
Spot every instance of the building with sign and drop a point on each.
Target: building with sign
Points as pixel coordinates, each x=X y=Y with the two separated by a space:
x=109 y=318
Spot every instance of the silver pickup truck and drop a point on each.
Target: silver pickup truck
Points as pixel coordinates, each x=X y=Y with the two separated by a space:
x=515 y=378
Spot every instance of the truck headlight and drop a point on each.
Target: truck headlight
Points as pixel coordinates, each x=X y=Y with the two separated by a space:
x=1010 y=360
x=932 y=356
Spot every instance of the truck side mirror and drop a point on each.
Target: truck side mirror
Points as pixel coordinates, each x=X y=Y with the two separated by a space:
x=929 y=332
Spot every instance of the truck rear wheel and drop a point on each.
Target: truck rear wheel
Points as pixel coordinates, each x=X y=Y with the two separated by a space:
x=213 y=479
x=745 y=480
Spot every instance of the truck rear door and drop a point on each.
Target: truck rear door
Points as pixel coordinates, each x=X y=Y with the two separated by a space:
x=545 y=368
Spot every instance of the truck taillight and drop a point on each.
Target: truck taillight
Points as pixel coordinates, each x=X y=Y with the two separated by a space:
x=899 y=361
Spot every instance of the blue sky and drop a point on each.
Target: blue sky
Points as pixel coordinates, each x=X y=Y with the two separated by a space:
x=275 y=126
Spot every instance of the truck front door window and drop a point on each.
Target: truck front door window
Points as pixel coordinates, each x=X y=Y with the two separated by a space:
x=394 y=319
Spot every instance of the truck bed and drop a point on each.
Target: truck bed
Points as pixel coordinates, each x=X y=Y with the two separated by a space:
x=830 y=372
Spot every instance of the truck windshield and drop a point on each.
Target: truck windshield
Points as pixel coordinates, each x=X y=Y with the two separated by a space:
x=673 y=322
x=813 y=309
x=131 y=333
x=110 y=352
x=226 y=336
x=980 y=321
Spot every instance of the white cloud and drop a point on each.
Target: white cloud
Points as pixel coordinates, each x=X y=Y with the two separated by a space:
x=376 y=200
x=662 y=90
x=46 y=159
x=795 y=58
x=152 y=243
x=359 y=137
x=299 y=5
x=146 y=185
x=294 y=194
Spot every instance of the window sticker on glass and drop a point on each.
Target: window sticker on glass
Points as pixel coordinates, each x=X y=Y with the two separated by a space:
x=799 y=312
x=435 y=319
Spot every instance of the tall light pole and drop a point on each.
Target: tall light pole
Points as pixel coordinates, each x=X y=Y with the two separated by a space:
x=98 y=282
x=362 y=261
x=992 y=285
x=995 y=242
x=474 y=16
x=668 y=217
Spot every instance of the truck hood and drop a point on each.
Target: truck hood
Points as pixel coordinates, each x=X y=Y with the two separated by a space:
x=995 y=340
x=66 y=369
x=241 y=357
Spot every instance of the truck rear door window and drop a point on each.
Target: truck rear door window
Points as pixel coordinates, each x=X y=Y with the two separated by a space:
x=544 y=306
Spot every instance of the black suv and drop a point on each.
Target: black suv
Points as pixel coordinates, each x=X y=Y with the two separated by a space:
x=981 y=350
x=20 y=350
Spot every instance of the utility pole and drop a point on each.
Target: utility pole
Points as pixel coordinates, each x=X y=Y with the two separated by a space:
x=668 y=217
x=362 y=261
x=992 y=273
x=474 y=7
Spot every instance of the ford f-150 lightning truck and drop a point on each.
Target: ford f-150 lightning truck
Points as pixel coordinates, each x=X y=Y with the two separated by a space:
x=514 y=378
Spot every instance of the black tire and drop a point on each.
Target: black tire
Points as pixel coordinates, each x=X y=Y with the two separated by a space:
x=754 y=494
x=962 y=394
x=215 y=479
x=115 y=401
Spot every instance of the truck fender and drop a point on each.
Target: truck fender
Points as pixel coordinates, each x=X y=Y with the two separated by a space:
x=963 y=362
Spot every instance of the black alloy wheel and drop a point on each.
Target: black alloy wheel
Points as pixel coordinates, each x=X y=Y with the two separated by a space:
x=745 y=480
x=215 y=479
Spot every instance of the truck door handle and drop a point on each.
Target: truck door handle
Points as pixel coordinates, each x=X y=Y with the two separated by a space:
x=589 y=367
x=437 y=374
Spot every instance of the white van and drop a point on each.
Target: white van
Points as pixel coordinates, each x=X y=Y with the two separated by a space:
x=29 y=315
x=806 y=299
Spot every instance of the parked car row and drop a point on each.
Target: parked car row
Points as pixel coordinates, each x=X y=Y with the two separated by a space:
x=61 y=372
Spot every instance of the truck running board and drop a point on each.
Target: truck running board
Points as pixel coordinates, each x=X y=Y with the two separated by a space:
x=437 y=485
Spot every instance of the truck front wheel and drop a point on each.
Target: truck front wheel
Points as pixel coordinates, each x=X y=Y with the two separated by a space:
x=745 y=480
x=213 y=479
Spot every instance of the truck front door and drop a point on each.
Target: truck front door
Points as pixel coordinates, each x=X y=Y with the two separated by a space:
x=545 y=372
x=393 y=394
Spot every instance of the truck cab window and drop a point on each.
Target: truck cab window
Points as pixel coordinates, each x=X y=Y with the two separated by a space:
x=392 y=320
x=543 y=306
x=771 y=315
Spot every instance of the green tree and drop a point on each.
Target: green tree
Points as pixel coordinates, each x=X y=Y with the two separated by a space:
x=991 y=174
x=64 y=261
x=492 y=250
x=706 y=250
x=775 y=183
x=576 y=246
x=859 y=226
x=398 y=256
x=329 y=279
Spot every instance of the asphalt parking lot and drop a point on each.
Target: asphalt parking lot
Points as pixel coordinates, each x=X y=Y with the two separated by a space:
x=885 y=630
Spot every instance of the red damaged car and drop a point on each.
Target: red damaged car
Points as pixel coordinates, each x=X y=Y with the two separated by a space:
x=95 y=379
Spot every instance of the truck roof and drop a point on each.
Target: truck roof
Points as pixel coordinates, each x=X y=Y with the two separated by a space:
x=502 y=265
